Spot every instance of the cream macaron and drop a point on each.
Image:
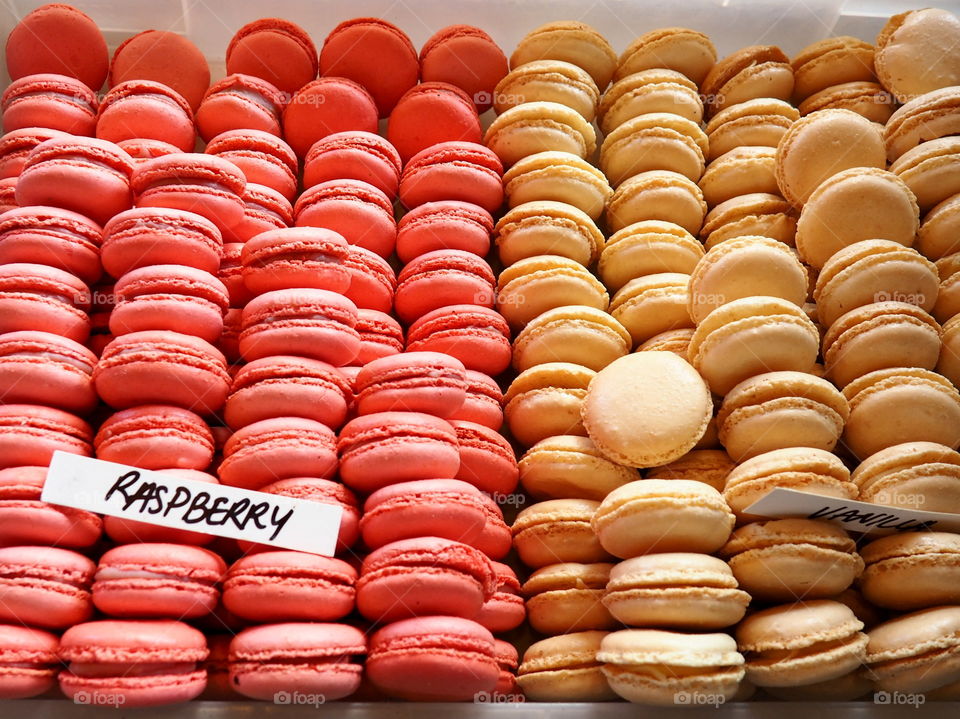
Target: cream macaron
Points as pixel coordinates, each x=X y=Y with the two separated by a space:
x=570 y=466
x=676 y=341
x=567 y=597
x=829 y=62
x=755 y=71
x=534 y=127
x=939 y=235
x=534 y=285
x=926 y=117
x=573 y=42
x=547 y=227
x=654 y=141
x=657 y=195
x=915 y=52
x=649 y=305
x=545 y=400
x=758 y=213
x=674 y=48
x=740 y=171
x=916 y=652
x=788 y=560
x=868 y=99
x=949 y=363
x=931 y=170
x=912 y=570
x=652 y=90
x=662 y=515
x=710 y=466
x=548 y=81
x=573 y=333
x=565 y=669
x=556 y=531
x=948 y=297
x=759 y=122
x=558 y=176
x=916 y=475
x=647 y=248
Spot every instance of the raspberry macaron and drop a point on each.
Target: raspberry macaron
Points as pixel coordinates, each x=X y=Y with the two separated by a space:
x=487 y=460
x=355 y=155
x=155 y=437
x=380 y=336
x=44 y=586
x=276 y=50
x=455 y=170
x=444 y=225
x=431 y=113
x=142 y=109
x=440 y=279
x=263 y=158
x=295 y=257
x=44 y=368
x=477 y=336
x=427 y=382
x=27 y=520
x=325 y=107
x=30 y=434
x=53 y=101
x=358 y=211
x=40 y=297
x=240 y=102
x=30 y=658
x=52 y=236
x=372 y=280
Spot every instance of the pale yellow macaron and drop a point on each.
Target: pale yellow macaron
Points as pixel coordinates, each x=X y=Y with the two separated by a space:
x=948 y=297
x=674 y=48
x=745 y=267
x=893 y=406
x=676 y=341
x=675 y=590
x=560 y=177
x=547 y=227
x=565 y=668
x=573 y=333
x=663 y=515
x=646 y=409
x=939 y=234
x=650 y=666
x=801 y=643
x=912 y=570
x=644 y=248
x=926 y=117
x=573 y=42
x=653 y=90
x=758 y=213
x=787 y=560
x=916 y=52
x=545 y=400
x=862 y=203
x=760 y=122
x=534 y=285
x=868 y=99
x=931 y=170
x=755 y=71
x=808 y=152
x=874 y=271
x=657 y=195
x=916 y=475
x=534 y=127
x=548 y=81
x=878 y=336
x=741 y=171
x=555 y=531
x=649 y=305
x=654 y=141
x=829 y=62
x=949 y=362
x=750 y=336
x=799 y=468
x=917 y=652
x=570 y=466
x=567 y=597
x=776 y=410
x=710 y=466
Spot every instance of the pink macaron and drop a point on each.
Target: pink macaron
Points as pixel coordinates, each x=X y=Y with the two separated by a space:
x=133 y=663
x=8 y=194
x=504 y=610
x=29 y=659
x=446 y=508
x=357 y=210
x=281 y=586
x=444 y=225
x=44 y=368
x=52 y=236
x=423 y=576
x=443 y=278
x=57 y=102
x=158 y=581
x=231 y=275
x=278 y=448
x=264 y=209
x=430 y=113
x=27 y=520
x=295 y=257
x=141 y=149
x=356 y=155
x=229 y=342
x=313 y=658
x=324 y=107
x=467 y=57
x=160 y=236
x=484 y=401
x=277 y=50
x=477 y=336
x=162 y=56
x=508 y=660
x=16 y=146
x=305 y=322
x=464 y=171
x=427 y=382
x=381 y=449
x=380 y=336
x=46 y=587
x=286 y=386
x=240 y=102
x=155 y=436
x=142 y=109
x=496 y=539
x=162 y=367
x=264 y=159
x=433 y=659
x=487 y=460
x=372 y=280
x=30 y=434
x=38 y=297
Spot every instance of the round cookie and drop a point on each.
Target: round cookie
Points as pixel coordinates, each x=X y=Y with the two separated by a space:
x=545 y=401
x=547 y=227
x=760 y=122
x=573 y=42
x=755 y=71
x=674 y=48
x=557 y=176
x=647 y=248
x=653 y=90
x=537 y=284
x=913 y=475
x=650 y=305
x=830 y=62
x=657 y=195
x=573 y=333
x=534 y=127
x=571 y=466
x=548 y=81
x=918 y=39
x=758 y=213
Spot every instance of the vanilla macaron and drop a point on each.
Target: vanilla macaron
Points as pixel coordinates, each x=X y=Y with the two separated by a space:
x=912 y=570
x=567 y=597
x=558 y=530
x=649 y=305
x=755 y=71
x=578 y=334
x=710 y=466
x=915 y=52
x=676 y=341
x=916 y=475
x=652 y=90
x=570 y=466
x=931 y=170
x=534 y=285
x=547 y=227
x=533 y=127
x=565 y=669
x=573 y=42
x=644 y=248
x=654 y=141
x=759 y=122
x=926 y=117
x=948 y=297
x=865 y=98
x=559 y=177
x=949 y=363
x=916 y=652
x=674 y=48
x=939 y=235
x=548 y=81
x=545 y=400
x=758 y=213
x=740 y=171
x=830 y=62
x=657 y=195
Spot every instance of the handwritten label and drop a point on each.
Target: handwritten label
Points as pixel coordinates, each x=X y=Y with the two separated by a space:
x=861 y=517
x=144 y=496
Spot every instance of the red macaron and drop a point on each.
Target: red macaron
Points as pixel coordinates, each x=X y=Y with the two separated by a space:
x=263 y=158
x=372 y=280
x=354 y=156
x=53 y=101
x=240 y=102
x=38 y=297
x=295 y=257
x=165 y=57
x=427 y=382
x=264 y=209
x=380 y=336
x=463 y=171
x=31 y=661
x=477 y=336
x=444 y=225
x=358 y=211
x=431 y=113
x=484 y=401
x=51 y=236
x=443 y=278
x=504 y=610
x=467 y=57
x=324 y=107
x=143 y=109
x=44 y=587
x=324 y=491
x=487 y=461
x=276 y=50
x=44 y=368
x=27 y=520
x=16 y=146
x=155 y=436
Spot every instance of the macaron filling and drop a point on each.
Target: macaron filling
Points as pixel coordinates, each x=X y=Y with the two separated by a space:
x=53 y=94
x=25 y=574
x=73 y=361
x=111 y=573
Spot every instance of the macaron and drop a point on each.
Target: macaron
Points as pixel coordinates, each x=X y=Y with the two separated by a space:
x=141 y=149
x=707 y=663
x=657 y=195
x=565 y=668
x=829 y=62
x=359 y=212
x=646 y=248
x=577 y=334
x=755 y=71
x=165 y=57
x=758 y=122
x=927 y=170
x=533 y=127
x=454 y=170
x=914 y=652
x=162 y=367
x=240 y=102
x=536 y=284
x=319 y=658
x=558 y=177
x=916 y=475
x=319 y=490
x=276 y=50
x=295 y=257
x=905 y=39
x=570 y=466
x=155 y=436
x=26 y=520
x=477 y=336
x=466 y=57
x=654 y=141
x=16 y=146
x=282 y=586
x=61 y=39
x=547 y=227
x=443 y=225
x=52 y=236
x=649 y=305
x=927 y=117
x=430 y=113
x=911 y=571
x=869 y=99
x=674 y=48
x=495 y=540
x=142 y=109
x=263 y=158
x=53 y=101
x=427 y=382
x=557 y=530
x=786 y=560
x=45 y=587
x=264 y=210
x=30 y=434
x=676 y=341
x=137 y=663
x=31 y=655
x=569 y=41
x=487 y=460
x=47 y=369
x=545 y=401
x=652 y=90
x=483 y=403
x=548 y=81
x=326 y=106
x=760 y=214
x=354 y=155
x=948 y=298
x=566 y=597
x=440 y=279
x=949 y=363
x=740 y=171
x=8 y=194
x=372 y=279
x=505 y=609
x=380 y=336
x=41 y=297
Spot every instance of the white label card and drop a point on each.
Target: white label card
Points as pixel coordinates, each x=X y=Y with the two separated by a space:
x=861 y=517
x=145 y=496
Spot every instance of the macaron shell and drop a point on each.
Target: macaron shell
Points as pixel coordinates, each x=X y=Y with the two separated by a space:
x=32 y=658
x=430 y=113
x=467 y=57
x=163 y=57
x=142 y=109
x=327 y=106
x=45 y=586
x=276 y=50
x=25 y=520
x=30 y=434
x=359 y=212
x=43 y=368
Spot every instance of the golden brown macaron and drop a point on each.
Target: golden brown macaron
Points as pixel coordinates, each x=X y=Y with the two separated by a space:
x=799 y=468
x=555 y=531
x=657 y=195
x=878 y=336
x=751 y=336
x=558 y=177
x=916 y=652
x=547 y=227
x=893 y=406
x=916 y=52
x=548 y=81
x=926 y=117
x=676 y=341
x=949 y=363
x=567 y=597
x=649 y=305
x=710 y=466
x=741 y=171
x=862 y=203
x=829 y=62
x=674 y=48
x=534 y=285
x=573 y=333
x=545 y=400
x=534 y=127
x=653 y=90
x=573 y=42
x=789 y=560
x=755 y=71
x=644 y=248
x=754 y=214
x=913 y=570
x=761 y=122
x=569 y=466
x=866 y=612
x=654 y=141
x=745 y=267
x=565 y=668
x=776 y=410
x=868 y=99
x=916 y=475
x=939 y=234
x=948 y=298
x=931 y=170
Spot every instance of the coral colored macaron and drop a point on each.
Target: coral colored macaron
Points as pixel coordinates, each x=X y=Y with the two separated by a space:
x=30 y=434
x=295 y=257
x=53 y=101
x=477 y=336
x=141 y=109
x=444 y=225
x=380 y=336
x=40 y=297
x=155 y=437
x=44 y=368
x=240 y=102
x=276 y=50
x=440 y=279
x=52 y=236
x=16 y=146
x=372 y=280
x=30 y=658
x=483 y=403
x=44 y=586
x=165 y=57
x=427 y=382
x=264 y=209
x=504 y=610
x=467 y=57
x=141 y=149
x=464 y=171
x=358 y=211
x=354 y=156
x=263 y=158
x=487 y=460
x=27 y=520
x=431 y=113
x=324 y=107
